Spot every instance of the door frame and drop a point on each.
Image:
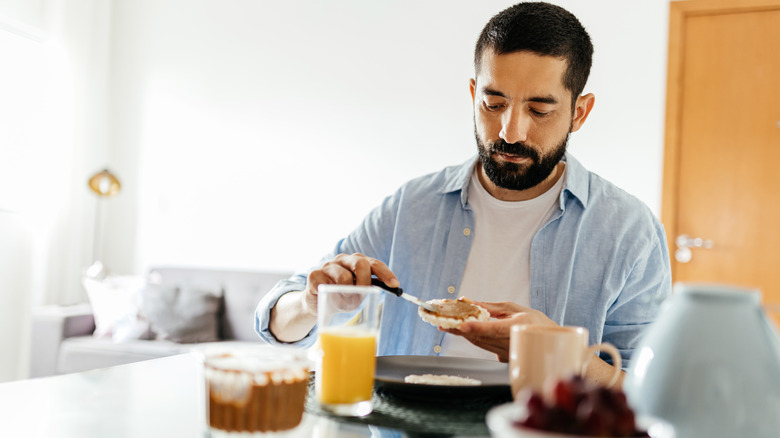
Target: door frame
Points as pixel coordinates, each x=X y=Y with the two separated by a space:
x=679 y=12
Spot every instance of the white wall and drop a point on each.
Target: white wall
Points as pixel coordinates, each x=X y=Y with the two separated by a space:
x=253 y=134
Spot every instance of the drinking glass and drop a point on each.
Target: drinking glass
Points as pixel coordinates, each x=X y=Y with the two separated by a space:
x=348 y=320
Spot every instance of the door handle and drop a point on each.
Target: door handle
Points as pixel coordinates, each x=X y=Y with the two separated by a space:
x=684 y=243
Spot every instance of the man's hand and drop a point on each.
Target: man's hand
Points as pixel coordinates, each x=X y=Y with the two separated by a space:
x=296 y=312
x=493 y=335
x=354 y=269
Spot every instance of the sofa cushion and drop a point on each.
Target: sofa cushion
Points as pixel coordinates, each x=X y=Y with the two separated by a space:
x=242 y=290
x=114 y=299
x=183 y=314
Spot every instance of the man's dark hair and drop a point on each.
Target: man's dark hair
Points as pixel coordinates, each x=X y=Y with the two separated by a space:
x=546 y=30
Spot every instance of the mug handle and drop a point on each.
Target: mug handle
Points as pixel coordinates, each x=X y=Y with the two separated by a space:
x=617 y=361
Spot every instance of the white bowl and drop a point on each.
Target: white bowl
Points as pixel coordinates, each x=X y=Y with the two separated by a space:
x=500 y=421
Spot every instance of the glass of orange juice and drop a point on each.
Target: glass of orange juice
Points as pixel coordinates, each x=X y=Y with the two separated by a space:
x=348 y=320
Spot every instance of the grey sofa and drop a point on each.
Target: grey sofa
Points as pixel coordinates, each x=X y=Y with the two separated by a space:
x=62 y=340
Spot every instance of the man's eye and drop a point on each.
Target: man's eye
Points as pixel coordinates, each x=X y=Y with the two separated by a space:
x=539 y=113
x=493 y=107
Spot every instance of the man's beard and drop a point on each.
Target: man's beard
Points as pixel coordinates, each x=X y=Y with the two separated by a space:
x=513 y=176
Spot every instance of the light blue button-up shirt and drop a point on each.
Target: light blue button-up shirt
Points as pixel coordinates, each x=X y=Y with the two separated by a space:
x=600 y=262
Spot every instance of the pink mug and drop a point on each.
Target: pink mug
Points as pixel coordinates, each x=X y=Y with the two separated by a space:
x=540 y=352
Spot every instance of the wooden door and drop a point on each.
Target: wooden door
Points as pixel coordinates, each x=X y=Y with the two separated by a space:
x=722 y=155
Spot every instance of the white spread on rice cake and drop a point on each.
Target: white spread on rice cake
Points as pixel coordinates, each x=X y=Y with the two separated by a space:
x=441 y=379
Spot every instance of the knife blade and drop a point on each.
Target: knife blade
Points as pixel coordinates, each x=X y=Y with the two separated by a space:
x=397 y=291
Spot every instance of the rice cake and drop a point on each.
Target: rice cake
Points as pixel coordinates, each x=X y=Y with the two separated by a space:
x=451 y=313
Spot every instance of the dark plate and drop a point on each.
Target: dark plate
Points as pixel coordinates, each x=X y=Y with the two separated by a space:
x=391 y=371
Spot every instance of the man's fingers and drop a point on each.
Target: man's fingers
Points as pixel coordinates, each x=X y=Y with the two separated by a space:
x=348 y=269
x=330 y=273
x=384 y=273
x=366 y=267
x=480 y=337
x=498 y=310
x=313 y=282
x=315 y=279
x=363 y=268
x=490 y=344
x=337 y=274
x=451 y=331
x=494 y=329
x=494 y=335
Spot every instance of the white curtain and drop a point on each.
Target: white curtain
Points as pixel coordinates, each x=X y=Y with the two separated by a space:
x=53 y=83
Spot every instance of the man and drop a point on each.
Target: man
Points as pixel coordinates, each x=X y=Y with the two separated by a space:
x=523 y=228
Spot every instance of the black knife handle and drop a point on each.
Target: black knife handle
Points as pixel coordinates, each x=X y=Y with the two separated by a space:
x=397 y=291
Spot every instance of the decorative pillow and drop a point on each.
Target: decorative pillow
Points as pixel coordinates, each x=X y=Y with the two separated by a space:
x=114 y=302
x=182 y=314
x=132 y=326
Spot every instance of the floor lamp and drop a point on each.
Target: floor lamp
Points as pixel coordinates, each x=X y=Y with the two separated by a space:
x=105 y=184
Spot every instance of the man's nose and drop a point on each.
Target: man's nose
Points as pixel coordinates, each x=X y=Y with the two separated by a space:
x=514 y=126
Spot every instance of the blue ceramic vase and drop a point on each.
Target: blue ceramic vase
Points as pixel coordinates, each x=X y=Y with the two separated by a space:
x=710 y=365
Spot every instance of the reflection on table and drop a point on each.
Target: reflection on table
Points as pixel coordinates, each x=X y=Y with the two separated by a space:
x=164 y=398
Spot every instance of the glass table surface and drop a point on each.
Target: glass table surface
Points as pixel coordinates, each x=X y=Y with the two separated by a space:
x=165 y=398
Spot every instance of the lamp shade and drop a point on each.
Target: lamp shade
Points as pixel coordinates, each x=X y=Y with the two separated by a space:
x=104 y=183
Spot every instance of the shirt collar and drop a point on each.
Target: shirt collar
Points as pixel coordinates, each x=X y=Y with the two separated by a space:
x=457 y=179
x=576 y=180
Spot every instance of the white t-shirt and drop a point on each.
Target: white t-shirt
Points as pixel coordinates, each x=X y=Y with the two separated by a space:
x=498 y=267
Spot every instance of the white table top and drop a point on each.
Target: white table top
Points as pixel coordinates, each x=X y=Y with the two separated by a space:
x=155 y=398
x=152 y=398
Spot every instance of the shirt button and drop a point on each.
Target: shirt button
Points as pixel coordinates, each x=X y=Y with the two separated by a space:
x=466 y=232
x=451 y=289
x=437 y=349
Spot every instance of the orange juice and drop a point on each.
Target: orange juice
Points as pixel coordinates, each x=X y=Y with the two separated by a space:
x=347 y=367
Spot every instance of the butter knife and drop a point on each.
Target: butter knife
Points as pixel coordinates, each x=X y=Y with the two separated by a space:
x=397 y=291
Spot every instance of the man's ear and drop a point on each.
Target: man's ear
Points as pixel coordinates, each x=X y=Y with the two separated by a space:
x=581 y=110
x=473 y=88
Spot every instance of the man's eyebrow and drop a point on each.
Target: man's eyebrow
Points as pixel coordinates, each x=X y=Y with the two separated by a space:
x=549 y=99
x=544 y=99
x=492 y=92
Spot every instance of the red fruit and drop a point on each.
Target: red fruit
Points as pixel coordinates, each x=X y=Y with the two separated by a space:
x=591 y=416
x=563 y=396
x=625 y=424
x=620 y=399
x=560 y=421
x=576 y=407
x=534 y=412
